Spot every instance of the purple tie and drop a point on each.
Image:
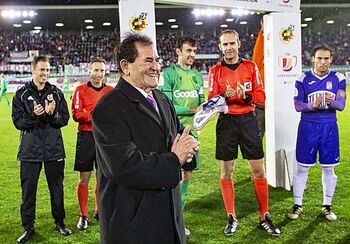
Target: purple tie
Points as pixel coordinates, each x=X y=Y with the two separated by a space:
x=153 y=102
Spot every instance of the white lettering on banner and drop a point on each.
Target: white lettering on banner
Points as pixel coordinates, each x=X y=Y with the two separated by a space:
x=179 y=94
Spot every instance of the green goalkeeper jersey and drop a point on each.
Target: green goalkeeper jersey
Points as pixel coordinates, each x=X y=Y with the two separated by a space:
x=184 y=87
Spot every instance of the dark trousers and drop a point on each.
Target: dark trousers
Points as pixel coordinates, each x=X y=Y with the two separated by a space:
x=260 y=117
x=30 y=171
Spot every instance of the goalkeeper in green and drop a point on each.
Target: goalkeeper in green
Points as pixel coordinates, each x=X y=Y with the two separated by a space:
x=3 y=88
x=184 y=87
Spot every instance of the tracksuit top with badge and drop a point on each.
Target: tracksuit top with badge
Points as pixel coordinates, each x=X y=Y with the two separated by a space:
x=309 y=86
x=244 y=72
x=84 y=100
x=184 y=87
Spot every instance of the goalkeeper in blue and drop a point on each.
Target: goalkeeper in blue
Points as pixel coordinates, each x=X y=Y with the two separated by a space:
x=184 y=87
x=320 y=92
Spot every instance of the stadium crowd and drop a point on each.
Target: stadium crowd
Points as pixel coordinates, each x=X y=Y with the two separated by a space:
x=66 y=49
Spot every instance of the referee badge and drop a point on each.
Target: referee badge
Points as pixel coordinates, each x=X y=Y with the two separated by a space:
x=247 y=85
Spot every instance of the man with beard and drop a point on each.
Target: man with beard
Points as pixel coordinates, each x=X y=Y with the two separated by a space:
x=184 y=87
x=320 y=92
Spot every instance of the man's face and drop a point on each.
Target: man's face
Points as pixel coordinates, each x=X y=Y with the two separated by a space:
x=322 y=61
x=144 y=72
x=186 y=55
x=97 y=73
x=229 y=45
x=41 y=72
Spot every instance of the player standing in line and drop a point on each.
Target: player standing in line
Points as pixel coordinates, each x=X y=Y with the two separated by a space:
x=84 y=100
x=3 y=88
x=319 y=94
x=237 y=79
x=184 y=87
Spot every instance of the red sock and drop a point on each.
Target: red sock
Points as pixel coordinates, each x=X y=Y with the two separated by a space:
x=83 y=194
x=262 y=195
x=228 y=195
x=96 y=197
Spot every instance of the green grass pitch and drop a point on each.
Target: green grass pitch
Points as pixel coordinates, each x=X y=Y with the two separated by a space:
x=204 y=214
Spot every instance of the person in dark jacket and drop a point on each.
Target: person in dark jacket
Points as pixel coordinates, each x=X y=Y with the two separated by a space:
x=39 y=110
x=140 y=148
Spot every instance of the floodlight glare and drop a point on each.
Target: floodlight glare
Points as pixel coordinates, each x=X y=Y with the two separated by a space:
x=90 y=27
x=106 y=24
x=303 y=25
x=59 y=24
x=174 y=26
x=243 y=22
x=330 y=22
x=308 y=19
x=159 y=23
x=171 y=20
x=27 y=21
x=223 y=26
x=88 y=21
x=198 y=23
x=17 y=25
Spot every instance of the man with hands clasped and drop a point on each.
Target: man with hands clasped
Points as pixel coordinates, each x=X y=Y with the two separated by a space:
x=319 y=93
x=39 y=110
x=238 y=80
x=140 y=147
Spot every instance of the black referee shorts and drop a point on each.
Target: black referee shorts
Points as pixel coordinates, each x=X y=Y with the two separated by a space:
x=85 y=154
x=238 y=130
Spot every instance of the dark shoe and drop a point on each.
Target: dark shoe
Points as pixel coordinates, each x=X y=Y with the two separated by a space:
x=96 y=216
x=267 y=225
x=27 y=234
x=83 y=223
x=62 y=228
x=231 y=226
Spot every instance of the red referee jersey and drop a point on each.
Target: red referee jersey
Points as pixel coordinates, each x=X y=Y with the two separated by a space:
x=245 y=73
x=84 y=100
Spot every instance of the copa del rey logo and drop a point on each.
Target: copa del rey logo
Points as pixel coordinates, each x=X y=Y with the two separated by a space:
x=287 y=62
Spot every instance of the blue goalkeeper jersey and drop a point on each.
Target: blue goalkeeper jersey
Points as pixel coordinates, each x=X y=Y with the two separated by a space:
x=309 y=86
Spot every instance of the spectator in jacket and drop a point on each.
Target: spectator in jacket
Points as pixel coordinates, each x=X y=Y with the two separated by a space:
x=39 y=110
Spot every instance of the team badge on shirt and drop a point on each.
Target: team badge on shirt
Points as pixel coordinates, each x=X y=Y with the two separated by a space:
x=49 y=98
x=329 y=85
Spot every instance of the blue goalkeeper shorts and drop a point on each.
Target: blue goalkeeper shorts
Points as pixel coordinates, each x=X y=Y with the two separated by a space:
x=317 y=137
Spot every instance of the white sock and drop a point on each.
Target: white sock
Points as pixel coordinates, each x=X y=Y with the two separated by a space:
x=299 y=181
x=329 y=182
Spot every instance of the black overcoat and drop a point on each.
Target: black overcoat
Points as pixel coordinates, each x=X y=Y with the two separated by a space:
x=139 y=197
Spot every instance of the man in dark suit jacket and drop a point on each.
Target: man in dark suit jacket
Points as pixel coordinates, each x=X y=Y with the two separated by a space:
x=140 y=153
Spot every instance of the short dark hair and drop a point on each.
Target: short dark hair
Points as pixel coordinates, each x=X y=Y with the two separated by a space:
x=40 y=58
x=185 y=39
x=127 y=49
x=323 y=47
x=98 y=60
x=231 y=31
